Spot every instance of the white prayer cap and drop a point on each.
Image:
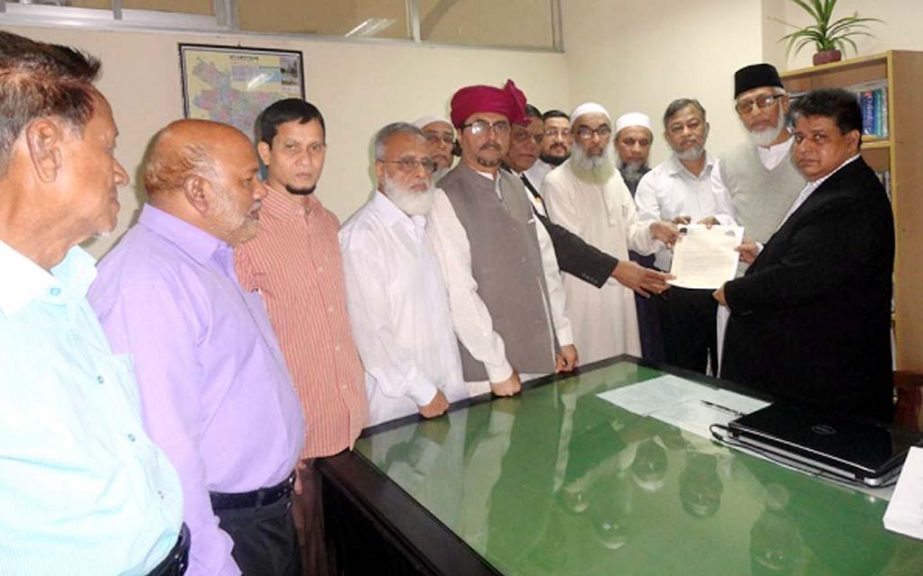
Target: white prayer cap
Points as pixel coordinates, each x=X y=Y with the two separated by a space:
x=427 y=120
x=632 y=119
x=588 y=108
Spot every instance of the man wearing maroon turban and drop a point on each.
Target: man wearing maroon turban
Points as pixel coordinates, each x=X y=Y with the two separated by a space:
x=505 y=290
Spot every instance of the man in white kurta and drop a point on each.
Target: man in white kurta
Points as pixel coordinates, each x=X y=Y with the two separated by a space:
x=587 y=196
x=397 y=301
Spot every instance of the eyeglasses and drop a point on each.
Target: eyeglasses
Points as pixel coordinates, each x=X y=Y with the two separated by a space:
x=524 y=135
x=479 y=127
x=585 y=132
x=411 y=165
x=560 y=133
x=433 y=138
x=762 y=102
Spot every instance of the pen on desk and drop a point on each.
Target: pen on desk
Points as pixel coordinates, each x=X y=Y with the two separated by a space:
x=721 y=408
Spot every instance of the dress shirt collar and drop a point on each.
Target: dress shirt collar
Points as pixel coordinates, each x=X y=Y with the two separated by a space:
x=197 y=243
x=394 y=216
x=821 y=180
x=286 y=206
x=25 y=280
x=676 y=168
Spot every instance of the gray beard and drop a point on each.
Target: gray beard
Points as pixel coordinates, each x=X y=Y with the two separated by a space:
x=693 y=153
x=593 y=169
x=765 y=138
x=632 y=173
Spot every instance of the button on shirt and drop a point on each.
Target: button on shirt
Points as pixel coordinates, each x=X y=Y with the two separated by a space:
x=399 y=311
x=82 y=488
x=670 y=190
x=216 y=394
x=295 y=263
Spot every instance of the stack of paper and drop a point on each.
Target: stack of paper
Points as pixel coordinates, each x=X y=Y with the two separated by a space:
x=905 y=511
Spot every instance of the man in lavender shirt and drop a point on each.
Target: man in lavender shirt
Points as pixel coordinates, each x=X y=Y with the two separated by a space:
x=215 y=392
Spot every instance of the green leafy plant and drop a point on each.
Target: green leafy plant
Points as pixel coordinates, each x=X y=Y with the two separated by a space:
x=826 y=33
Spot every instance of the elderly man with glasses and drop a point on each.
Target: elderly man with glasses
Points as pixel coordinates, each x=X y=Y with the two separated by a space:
x=502 y=276
x=587 y=195
x=396 y=296
x=758 y=175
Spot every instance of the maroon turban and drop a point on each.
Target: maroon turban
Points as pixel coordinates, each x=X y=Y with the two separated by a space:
x=509 y=101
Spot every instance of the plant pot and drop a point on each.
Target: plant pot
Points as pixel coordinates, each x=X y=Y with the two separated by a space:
x=827 y=56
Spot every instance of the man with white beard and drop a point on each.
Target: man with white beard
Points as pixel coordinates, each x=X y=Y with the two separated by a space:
x=758 y=175
x=396 y=297
x=587 y=196
x=679 y=190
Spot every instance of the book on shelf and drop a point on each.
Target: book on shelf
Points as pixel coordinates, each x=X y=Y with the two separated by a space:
x=873 y=101
x=884 y=177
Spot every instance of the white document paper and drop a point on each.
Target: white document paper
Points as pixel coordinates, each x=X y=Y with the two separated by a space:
x=657 y=394
x=905 y=511
x=705 y=257
x=688 y=405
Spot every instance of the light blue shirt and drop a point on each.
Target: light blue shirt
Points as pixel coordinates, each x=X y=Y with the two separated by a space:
x=82 y=488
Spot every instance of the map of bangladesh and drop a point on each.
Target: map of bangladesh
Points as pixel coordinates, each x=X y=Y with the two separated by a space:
x=236 y=88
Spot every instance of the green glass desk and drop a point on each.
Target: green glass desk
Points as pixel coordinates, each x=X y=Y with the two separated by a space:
x=558 y=481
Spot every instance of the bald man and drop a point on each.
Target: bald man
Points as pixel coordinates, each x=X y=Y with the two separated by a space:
x=215 y=391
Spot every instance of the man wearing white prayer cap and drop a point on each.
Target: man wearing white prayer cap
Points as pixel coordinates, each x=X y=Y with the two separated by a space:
x=633 y=139
x=587 y=196
x=440 y=138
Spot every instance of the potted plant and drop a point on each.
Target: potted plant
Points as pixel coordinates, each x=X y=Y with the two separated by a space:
x=829 y=36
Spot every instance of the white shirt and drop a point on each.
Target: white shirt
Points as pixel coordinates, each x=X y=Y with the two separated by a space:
x=670 y=190
x=398 y=310
x=537 y=172
x=472 y=320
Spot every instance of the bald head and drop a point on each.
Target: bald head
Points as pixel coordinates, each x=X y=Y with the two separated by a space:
x=205 y=173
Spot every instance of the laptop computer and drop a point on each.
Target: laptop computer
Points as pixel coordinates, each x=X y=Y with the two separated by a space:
x=828 y=444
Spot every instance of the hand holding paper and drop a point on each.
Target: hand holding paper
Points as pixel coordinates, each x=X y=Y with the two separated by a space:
x=704 y=257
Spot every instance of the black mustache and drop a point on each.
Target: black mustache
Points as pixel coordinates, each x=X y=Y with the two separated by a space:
x=493 y=145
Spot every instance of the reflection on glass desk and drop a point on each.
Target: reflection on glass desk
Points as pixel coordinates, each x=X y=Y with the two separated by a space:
x=557 y=481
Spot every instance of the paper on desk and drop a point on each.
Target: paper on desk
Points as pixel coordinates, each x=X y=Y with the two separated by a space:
x=905 y=511
x=719 y=407
x=657 y=394
x=683 y=403
x=705 y=257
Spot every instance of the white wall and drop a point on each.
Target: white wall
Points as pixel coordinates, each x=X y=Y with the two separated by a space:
x=631 y=55
x=358 y=87
x=639 y=56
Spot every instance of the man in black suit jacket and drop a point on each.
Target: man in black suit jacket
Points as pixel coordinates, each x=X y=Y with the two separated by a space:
x=811 y=318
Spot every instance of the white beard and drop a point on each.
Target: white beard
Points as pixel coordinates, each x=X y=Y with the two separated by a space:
x=410 y=202
x=593 y=169
x=765 y=138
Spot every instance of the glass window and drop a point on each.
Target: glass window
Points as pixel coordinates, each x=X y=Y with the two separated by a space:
x=183 y=6
x=349 y=18
x=515 y=23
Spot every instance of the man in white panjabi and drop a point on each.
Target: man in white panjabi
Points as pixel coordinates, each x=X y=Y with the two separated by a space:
x=587 y=195
x=397 y=300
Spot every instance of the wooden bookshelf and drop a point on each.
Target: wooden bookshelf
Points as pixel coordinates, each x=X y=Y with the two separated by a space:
x=901 y=152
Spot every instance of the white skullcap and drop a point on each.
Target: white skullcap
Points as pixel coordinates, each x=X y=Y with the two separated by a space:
x=427 y=120
x=589 y=108
x=632 y=119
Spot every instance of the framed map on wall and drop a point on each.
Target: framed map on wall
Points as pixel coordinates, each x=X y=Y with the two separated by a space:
x=234 y=84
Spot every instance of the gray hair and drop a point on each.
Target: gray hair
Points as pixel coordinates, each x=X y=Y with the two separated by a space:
x=677 y=105
x=393 y=129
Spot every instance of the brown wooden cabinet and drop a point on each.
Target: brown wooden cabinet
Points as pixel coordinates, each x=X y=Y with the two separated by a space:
x=900 y=154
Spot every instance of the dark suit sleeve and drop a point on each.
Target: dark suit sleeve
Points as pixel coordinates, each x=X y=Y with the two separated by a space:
x=578 y=258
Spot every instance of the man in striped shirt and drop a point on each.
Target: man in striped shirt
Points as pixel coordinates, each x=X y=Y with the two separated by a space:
x=295 y=263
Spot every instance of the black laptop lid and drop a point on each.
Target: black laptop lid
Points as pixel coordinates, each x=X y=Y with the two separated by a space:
x=859 y=447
